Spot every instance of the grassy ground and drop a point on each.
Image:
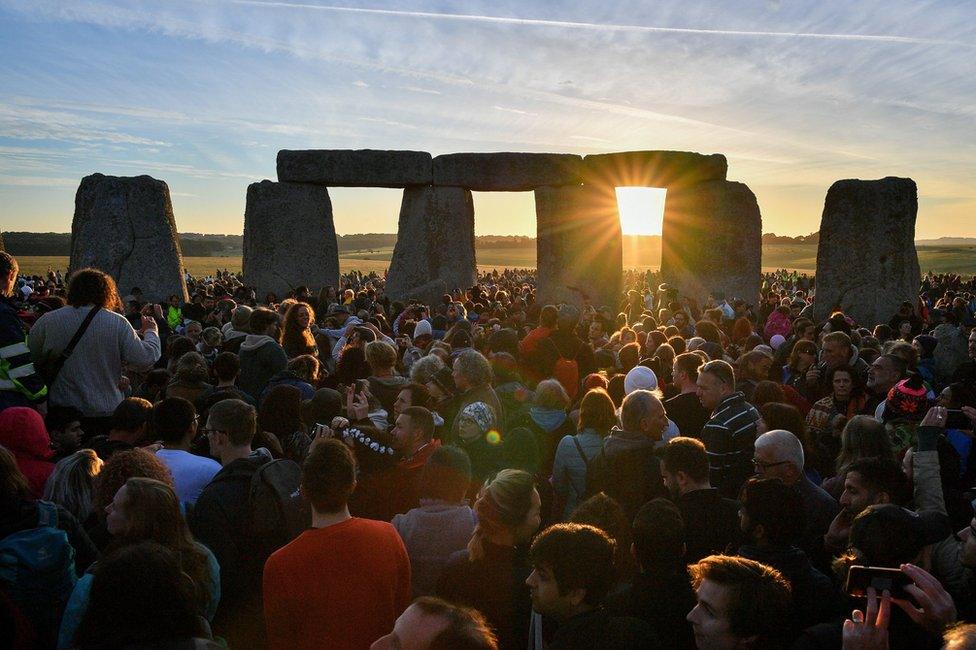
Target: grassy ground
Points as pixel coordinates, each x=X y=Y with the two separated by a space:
x=955 y=259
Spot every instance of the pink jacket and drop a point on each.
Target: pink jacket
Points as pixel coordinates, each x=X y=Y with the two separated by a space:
x=777 y=323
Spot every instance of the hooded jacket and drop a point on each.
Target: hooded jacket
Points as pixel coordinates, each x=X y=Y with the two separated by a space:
x=22 y=432
x=261 y=359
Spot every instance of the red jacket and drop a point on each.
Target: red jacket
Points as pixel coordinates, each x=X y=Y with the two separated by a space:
x=23 y=433
x=385 y=493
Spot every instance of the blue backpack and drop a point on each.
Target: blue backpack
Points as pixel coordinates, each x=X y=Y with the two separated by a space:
x=37 y=569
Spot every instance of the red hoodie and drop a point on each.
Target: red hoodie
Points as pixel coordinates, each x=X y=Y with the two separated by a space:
x=23 y=433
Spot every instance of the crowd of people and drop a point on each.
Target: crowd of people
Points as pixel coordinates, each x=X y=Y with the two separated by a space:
x=342 y=470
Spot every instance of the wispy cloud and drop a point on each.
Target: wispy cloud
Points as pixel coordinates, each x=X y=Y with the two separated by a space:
x=603 y=27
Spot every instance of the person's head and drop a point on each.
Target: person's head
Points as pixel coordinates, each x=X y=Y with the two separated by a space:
x=240 y=318
x=961 y=636
x=93 y=287
x=122 y=466
x=226 y=367
x=329 y=476
x=548 y=316
x=72 y=484
x=231 y=424
x=412 y=395
x=381 y=357
x=145 y=509
x=863 y=437
x=8 y=273
x=64 y=427
x=550 y=394
x=192 y=367
x=508 y=509
x=755 y=365
x=684 y=465
x=131 y=418
x=265 y=322
x=298 y=317
x=836 y=349
x=842 y=382
x=716 y=381
x=643 y=412
x=886 y=371
x=871 y=481
x=572 y=570
x=280 y=410
x=433 y=624
x=597 y=412
x=140 y=597
x=194 y=330
x=174 y=421
x=767 y=392
x=803 y=355
x=741 y=603
x=686 y=368
x=414 y=428
x=659 y=535
x=887 y=535
x=772 y=512
x=471 y=370
x=779 y=454
x=446 y=475
x=596 y=330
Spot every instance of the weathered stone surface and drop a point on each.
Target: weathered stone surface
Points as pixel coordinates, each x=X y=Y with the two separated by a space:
x=2 y=247
x=434 y=252
x=507 y=172
x=124 y=226
x=579 y=246
x=712 y=240
x=289 y=238
x=867 y=264
x=355 y=167
x=669 y=169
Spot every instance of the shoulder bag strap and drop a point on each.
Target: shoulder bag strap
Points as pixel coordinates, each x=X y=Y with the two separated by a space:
x=66 y=353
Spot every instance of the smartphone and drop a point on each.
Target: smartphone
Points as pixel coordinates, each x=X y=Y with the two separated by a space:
x=956 y=419
x=318 y=429
x=859 y=578
x=361 y=386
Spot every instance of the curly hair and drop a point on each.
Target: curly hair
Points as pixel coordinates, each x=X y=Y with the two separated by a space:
x=93 y=287
x=122 y=466
x=296 y=338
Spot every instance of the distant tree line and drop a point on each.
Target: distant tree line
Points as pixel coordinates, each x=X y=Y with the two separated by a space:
x=201 y=245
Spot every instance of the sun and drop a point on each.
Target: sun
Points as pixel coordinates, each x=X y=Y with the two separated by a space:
x=641 y=210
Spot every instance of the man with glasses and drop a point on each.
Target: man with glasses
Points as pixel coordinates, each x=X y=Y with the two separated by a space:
x=174 y=421
x=221 y=517
x=779 y=454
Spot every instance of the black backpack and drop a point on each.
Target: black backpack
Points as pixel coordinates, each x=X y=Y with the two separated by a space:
x=277 y=513
x=632 y=478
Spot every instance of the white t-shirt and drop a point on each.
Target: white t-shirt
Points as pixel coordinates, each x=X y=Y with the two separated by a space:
x=191 y=473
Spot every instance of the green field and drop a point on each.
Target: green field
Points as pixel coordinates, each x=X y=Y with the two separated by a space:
x=802 y=257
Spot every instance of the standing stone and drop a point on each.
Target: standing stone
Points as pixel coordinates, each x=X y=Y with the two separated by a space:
x=355 y=168
x=124 y=226
x=712 y=241
x=867 y=264
x=507 y=172
x=289 y=238
x=579 y=246
x=434 y=251
x=2 y=247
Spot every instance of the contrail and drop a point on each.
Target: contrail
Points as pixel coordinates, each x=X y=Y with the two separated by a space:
x=603 y=27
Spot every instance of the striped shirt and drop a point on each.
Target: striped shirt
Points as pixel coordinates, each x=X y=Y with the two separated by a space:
x=729 y=438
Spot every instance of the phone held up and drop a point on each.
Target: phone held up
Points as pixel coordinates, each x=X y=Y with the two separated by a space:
x=859 y=578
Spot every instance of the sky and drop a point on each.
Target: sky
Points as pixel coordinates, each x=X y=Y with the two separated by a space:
x=203 y=93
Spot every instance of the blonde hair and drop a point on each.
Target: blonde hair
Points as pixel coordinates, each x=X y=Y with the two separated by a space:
x=503 y=503
x=549 y=393
x=72 y=484
x=380 y=355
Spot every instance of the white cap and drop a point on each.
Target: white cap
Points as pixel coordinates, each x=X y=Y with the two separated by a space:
x=640 y=378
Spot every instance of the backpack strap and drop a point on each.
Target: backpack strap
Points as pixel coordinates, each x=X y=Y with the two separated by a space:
x=47 y=514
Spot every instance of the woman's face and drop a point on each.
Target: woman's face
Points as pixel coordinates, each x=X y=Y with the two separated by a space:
x=810 y=332
x=842 y=385
x=193 y=331
x=905 y=328
x=533 y=518
x=303 y=317
x=806 y=359
x=116 y=519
